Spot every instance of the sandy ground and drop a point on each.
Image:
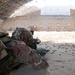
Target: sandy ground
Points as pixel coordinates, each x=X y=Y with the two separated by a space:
x=61 y=55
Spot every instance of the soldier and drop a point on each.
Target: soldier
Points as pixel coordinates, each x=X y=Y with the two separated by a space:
x=24 y=54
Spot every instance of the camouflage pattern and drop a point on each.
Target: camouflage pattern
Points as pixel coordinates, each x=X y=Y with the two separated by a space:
x=23 y=35
x=3 y=34
x=6 y=39
x=24 y=54
x=2 y=47
x=18 y=51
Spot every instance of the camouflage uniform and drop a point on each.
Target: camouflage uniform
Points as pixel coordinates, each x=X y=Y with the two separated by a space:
x=23 y=35
x=24 y=54
x=2 y=47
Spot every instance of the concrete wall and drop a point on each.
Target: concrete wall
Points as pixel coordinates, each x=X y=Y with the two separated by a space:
x=12 y=23
x=40 y=20
x=72 y=12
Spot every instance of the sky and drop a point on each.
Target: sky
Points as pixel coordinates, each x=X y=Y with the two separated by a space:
x=53 y=7
x=43 y=3
x=47 y=7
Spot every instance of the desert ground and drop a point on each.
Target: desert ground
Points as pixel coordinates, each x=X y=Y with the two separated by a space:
x=61 y=55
